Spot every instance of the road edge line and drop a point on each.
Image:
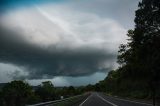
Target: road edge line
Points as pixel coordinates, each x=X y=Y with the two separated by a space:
x=106 y=100
x=85 y=100
x=133 y=101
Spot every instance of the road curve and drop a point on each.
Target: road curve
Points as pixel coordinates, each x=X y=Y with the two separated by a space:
x=99 y=99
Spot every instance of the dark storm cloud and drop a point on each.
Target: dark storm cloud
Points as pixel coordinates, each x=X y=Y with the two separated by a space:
x=50 y=62
x=48 y=40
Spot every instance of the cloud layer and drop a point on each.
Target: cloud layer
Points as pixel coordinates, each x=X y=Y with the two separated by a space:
x=49 y=41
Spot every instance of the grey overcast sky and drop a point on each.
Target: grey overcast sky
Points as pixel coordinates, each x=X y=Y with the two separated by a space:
x=70 y=42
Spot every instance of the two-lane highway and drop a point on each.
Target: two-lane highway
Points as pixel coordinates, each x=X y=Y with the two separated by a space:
x=99 y=99
x=96 y=100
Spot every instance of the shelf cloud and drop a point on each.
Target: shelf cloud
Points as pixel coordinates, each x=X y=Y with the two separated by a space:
x=57 y=39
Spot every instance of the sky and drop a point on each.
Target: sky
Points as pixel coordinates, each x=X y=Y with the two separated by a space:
x=69 y=42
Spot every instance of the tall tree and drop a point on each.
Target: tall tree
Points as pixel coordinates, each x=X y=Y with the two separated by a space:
x=16 y=93
x=141 y=56
x=46 y=91
x=147 y=40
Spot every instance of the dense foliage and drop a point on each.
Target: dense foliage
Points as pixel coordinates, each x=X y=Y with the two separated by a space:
x=15 y=93
x=20 y=93
x=139 y=73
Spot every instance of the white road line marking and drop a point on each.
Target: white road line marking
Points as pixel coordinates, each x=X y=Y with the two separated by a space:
x=107 y=101
x=134 y=101
x=85 y=100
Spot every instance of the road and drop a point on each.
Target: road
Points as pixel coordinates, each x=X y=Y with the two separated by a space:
x=100 y=99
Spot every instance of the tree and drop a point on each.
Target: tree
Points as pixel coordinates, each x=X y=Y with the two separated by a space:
x=16 y=93
x=139 y=73
x=71 y=91
x=89 y=87
x=140 y=57
x=147 y=38
x=46 y=91
x=1 y=99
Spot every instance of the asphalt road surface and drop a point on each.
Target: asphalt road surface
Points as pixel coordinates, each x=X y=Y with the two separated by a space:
x=99 y=99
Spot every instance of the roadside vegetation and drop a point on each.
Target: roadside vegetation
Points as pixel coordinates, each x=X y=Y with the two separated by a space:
x=138 y=75
x=20 y=93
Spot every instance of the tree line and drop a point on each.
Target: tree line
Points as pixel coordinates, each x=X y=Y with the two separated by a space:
x=20 y=93
x=138 y=75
